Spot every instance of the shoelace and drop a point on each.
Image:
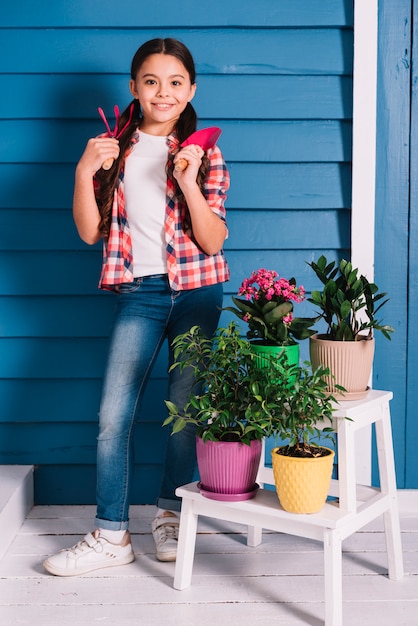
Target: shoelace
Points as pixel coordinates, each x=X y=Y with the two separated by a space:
x=170 y=530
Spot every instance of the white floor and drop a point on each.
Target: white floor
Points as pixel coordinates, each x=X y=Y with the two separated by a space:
x=279 y=582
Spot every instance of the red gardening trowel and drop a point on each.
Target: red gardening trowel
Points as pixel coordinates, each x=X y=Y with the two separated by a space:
x=206 y=138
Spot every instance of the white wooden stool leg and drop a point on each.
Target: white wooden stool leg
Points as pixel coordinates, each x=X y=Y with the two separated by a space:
x=333 y=578
x=388 y=486
x=254 y=533
x=186 y=546
x=346 y=466
x=254 y=536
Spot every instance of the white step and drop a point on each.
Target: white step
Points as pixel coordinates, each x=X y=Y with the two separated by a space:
x=16 y=500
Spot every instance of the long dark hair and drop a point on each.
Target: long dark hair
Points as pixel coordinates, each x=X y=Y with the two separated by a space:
x=185 y=126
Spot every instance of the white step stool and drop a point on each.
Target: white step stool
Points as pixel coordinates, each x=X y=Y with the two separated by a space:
x=357 y=505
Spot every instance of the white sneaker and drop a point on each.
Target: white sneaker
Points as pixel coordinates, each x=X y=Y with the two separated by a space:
x=165 y=530
x=91 y=553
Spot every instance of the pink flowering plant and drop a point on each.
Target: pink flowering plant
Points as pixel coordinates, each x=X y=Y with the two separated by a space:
x=267 y=308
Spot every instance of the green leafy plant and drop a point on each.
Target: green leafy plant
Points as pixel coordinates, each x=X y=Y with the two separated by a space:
x=348 y=302
x=305 y=405
x=238 y=399
x=267 y=308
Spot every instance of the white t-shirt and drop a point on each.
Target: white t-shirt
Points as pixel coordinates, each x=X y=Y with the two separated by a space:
x=145 y=203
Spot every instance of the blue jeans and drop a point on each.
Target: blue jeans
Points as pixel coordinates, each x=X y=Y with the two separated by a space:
x=148 y=312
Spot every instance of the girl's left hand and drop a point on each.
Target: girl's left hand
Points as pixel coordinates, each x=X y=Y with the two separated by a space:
x=193 y=155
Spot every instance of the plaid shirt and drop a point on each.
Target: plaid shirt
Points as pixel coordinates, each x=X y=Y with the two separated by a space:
x=188 y=266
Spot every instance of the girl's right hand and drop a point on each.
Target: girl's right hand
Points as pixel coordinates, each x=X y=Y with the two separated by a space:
x=97 y=151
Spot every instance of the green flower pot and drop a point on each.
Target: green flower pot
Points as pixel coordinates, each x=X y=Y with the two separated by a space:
x=261 y=350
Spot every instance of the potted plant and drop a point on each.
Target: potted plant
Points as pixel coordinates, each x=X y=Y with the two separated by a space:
x=235 y=403
x=302 y=468
x=267 y=308
x=348 y=303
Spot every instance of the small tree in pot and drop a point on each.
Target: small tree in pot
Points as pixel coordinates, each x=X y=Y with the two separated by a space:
x=235 y=403
x=305 y=406
x=302 y=468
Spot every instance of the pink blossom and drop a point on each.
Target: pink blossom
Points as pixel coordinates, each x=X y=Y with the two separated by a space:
x=269 y=288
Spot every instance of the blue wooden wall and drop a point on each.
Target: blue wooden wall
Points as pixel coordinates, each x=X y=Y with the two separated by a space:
x=276 y=76
x=396 y=223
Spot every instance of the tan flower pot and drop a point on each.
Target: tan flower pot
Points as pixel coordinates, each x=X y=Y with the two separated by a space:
x=350 y=363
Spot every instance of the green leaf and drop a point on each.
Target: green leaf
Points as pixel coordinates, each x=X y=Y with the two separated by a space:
x=269 y=306
x=345 y=309
x=278 y=312
x=243 y=305
x=178 y=425
x=171 y=407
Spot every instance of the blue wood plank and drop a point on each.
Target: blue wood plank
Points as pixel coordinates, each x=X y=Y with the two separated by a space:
x=42 y=230
x=65 y=484
x=91 y=315
x=49 y=272
x=34 y=400
x=52 y=358
x=51 y=316
x=286 y=141
x=238 y=51
x=58 y=141
x=81 y=269
x=392 y=212
x=60 y=357
x=264 y=13
x=77 y=96
x=46 y=444
x=289 y=186
x=253 y=186
x=411 y=422
x=30 y=185
x=286 y=262
x=76 y=484
x=250 y=229
x=265 y=230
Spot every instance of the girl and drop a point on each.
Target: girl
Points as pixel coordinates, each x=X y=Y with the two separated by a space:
x=163 y=232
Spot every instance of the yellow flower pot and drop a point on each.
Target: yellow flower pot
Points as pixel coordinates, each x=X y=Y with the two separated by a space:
x=302 y=484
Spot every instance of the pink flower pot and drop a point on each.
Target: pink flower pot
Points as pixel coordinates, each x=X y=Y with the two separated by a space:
x=228 y=469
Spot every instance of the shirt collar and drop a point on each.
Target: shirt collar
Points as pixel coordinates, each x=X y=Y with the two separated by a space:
x=172 y=141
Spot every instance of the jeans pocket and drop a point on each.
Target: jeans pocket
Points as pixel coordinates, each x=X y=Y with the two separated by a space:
x=129 y=287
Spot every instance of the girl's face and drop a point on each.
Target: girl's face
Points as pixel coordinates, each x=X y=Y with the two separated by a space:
x=163 y=88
